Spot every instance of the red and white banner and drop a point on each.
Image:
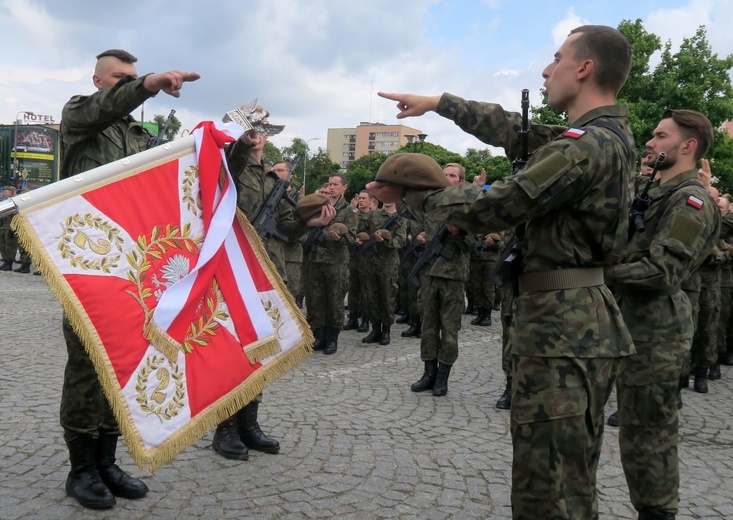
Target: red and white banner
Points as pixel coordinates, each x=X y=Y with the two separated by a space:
x=170 y=290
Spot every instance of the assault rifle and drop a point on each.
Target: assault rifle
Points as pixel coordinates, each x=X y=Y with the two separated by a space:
x=511 y=257
x=160 y=138
x=642 y=201
x=370 y=246
x=411 y=249
x=264 y=223
x=433 y=250
x=480 y=245
x=315 y=238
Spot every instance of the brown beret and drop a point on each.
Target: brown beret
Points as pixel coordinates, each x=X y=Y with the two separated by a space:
x=363 y=236
x=339 y=228
x=310 y=205
x=385 y=234
x=495 y=236
x=413 y=170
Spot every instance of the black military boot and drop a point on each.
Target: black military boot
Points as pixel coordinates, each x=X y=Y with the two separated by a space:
x=414 y=330
x=485 y=319
x=320 y=338
x=6 y=266
x=84 y=482
x=701 y=380
x=384 y=337
x=375 y=334
x=727 y=358
x=403 y=318
x=352 y=323
x=119 y=483
x=227 y=442
x=685 y=381
x=613 y=419
x=479 y=316
x=655 y=514
x=427 y=381
x=441 y=380
x=332 y=338
x=24 y=269
x=505 y=401
x=364 y=326
x=250 y=432
x=714 y=372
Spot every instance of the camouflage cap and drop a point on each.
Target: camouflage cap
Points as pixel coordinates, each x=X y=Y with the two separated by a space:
x=310 y=205
x=413 y=170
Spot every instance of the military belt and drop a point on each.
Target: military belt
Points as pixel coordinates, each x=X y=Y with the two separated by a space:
x=643 y=293
x=557 y=279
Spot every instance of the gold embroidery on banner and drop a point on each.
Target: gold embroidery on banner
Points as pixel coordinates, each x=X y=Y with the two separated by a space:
x=190 y=179
x=73 y=225
x=154 y=404
x=201 y=331
x=275 y=317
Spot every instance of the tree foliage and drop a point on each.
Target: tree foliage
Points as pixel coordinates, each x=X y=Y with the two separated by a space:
x=173 y=129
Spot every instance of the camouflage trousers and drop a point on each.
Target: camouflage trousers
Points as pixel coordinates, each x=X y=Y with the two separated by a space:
x=381 y=292
x=557 y=433
x=694 y=297
x=8 y=244
x=704 y=351
x=357 y=288
x=480 y=288
x=646 y=387
x=441 y=308
x=725 y=322
x=293 y=270
x=506 y=296
x=325 y=296
x=84 y=408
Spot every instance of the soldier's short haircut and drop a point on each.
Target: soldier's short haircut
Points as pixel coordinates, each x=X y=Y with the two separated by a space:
x=286 y=163
x=461 y=170
x=693 y=125
x=340 y=176
x=123 y=56
x=610 y=52
x=368 y=193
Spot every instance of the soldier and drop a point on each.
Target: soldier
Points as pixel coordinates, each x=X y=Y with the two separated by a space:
x=441 y=297
x=357 y=269
x=381 y=259
x=328 y=258
x=725 y=343
x=484 y=255
x=726 y=286
x=574 y=197
x=254 y=180
x=8 y=239
x=97 y=130
x=681 y=227
x=293 y=249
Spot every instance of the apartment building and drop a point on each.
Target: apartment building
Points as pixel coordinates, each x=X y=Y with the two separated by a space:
x=345 y=145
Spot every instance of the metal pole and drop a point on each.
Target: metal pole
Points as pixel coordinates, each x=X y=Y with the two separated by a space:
x=305 y=161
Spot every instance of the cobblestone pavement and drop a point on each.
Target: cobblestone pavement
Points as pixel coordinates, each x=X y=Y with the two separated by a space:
x=356 y=443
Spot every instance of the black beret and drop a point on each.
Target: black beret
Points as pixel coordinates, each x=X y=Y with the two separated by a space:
x=413 y=170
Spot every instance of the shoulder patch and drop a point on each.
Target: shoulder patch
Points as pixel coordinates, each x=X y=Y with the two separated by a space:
x=353 y=210
x=574 y=133
x=694 y=202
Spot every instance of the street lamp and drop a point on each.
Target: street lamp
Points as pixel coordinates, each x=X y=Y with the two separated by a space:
x=305 y=160
x=15 y=147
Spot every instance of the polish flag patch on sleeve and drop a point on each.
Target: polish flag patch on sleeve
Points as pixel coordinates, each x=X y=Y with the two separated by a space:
x=574 y=133
x=694 y=202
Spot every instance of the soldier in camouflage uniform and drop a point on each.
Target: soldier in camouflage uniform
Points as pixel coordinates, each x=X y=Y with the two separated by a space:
x=681 y=228
x=574 y=197
x=328 y=259
x=254 y=180
x=725 y=336
x=726 y=286
x=357 y=270
x=8 y=239
x=412 y=251
x=441 y=298
x=486 y=251
x=382 y=261
x=97 y=130
x=293 y=248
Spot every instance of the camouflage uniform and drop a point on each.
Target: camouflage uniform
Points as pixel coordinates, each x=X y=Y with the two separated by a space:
x=704 y=353
x=677 y=238
x=294 y=259
x=483 y=262
x=327 y=262
x=725 y=327
x=357 y=272
x=381 y=269
x=95 y=130
x=408 y=291
x=8 y=240
x=574 y=196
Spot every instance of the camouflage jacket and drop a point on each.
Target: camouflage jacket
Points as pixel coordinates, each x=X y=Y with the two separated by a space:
x=387 y=252
x=254 y=182
x=574 y=196
x=362 y=226
x=293 y=248
x=337 y=252
x=98 y=129
x=726 y=234
x=678 y=237
x=485 y=253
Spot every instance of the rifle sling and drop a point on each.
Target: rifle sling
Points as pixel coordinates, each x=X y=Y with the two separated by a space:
x=557 y=279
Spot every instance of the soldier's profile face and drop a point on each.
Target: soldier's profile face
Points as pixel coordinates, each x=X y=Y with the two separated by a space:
x=110 y=70
x=667 y=138
x=561 y=84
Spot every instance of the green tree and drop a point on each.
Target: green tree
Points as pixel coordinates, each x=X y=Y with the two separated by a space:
x=497 y=166
x=320 y=168
x=363 y=171
x=173 y=129
x=271 y=153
